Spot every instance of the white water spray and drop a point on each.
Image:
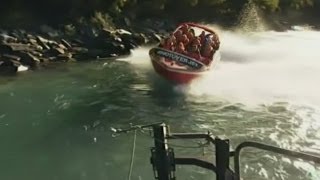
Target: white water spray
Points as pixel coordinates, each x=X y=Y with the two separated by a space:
x=265 y=67
x=258 y=68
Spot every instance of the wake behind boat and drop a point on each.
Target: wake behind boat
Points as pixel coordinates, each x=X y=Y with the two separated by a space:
x=189 y=52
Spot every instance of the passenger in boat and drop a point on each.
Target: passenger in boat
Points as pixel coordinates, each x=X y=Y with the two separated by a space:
x=169 y=43
x=180 y=37
x=214 y=40
x=217 y=43
x=174 y=40
x=207 y=52
x=178 y=34
x=184 y=40
x=211 y=40
x=180 y=48
x=194 y=50
x=164 y=42
x=214 y=45
x=185 y=28
x=191 y=33
x=193 y=41
x=202 y=37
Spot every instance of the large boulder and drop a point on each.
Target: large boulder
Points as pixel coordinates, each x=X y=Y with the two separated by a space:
x=28 y=59
x=9 y=57
x=5 y=48
x=66 y=43
x=140 y=38
x=43 y=42
x=127 y=39
x=7 y=38
x=63 y=57
x=8 y=66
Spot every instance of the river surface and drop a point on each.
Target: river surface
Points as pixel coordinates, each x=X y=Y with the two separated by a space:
x=55 y=124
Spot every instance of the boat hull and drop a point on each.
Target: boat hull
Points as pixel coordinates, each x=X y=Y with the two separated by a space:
x=175 y=74
x=172 y=75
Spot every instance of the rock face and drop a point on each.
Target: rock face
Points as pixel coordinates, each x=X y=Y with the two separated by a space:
x=22 y=50
x=8 y=66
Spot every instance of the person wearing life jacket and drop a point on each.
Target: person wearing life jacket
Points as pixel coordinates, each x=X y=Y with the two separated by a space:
x=202 y=37
x=194 y=49
x=185 y=29
x=215 y=43
x=210 y=40
x=207 y=49
x=174 y=40
x=184 y=39
x=169 y=43
x=207 y=53
x=193 y=41
x=178 y=34
x=180 y=48
x=191 y=33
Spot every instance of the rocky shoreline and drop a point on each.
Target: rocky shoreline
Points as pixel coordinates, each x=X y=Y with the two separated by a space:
x=21 y=50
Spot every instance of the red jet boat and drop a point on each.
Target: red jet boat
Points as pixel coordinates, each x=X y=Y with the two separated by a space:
x=182 y=66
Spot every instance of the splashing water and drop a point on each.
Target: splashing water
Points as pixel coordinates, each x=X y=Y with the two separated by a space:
x=265 y=67
x=249 y=19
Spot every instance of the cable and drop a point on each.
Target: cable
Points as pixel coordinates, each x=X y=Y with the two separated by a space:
x=132 y=154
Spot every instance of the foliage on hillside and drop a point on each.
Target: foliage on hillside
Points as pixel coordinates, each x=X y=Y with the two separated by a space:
x=63 y=12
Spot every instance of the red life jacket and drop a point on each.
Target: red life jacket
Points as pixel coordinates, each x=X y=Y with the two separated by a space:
x=195 y=55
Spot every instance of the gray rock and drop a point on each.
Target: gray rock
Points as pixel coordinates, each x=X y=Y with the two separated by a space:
x=16 y=35
x=118 y=39
x=53 y=43
x=5 y=48
x=76 y=50
x=7 y=38
x=11 y=47
x=77 y=42
x=62 y=46
x=30 y=36
x=28 y=59
x=106 y=32
x=66 y=43
x=140 y=38
x=122 y=32
x=43 y=42
x=36 y=53
x=9 y=67
x=44 y=60
x=156 y=37
x=32 y=41
x=10 y=57
x=35 y=47
x=56 y=51
x=98 y=53
x=64 y=57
